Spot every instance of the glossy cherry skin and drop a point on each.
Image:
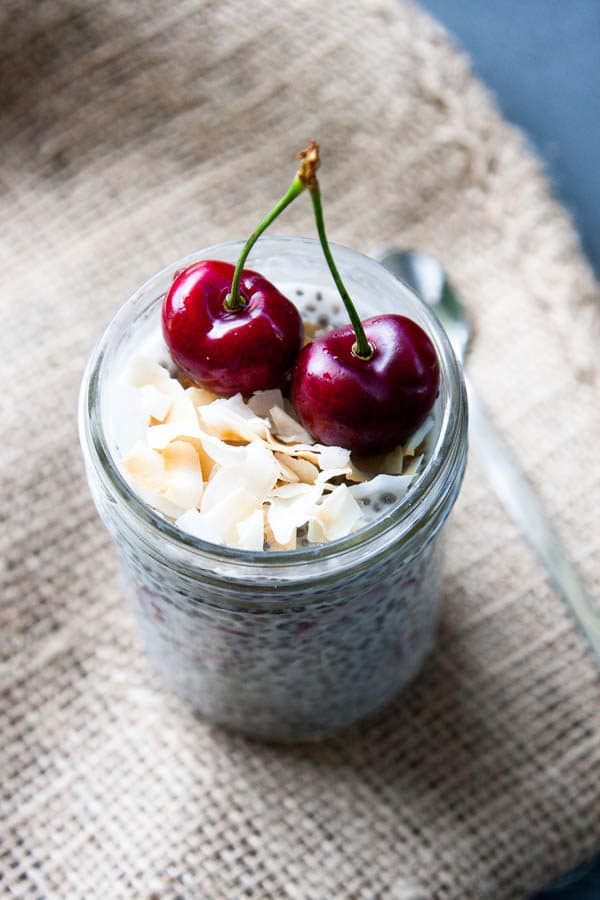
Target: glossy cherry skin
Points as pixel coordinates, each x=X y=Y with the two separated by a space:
x=368 y=406
x=246 y=350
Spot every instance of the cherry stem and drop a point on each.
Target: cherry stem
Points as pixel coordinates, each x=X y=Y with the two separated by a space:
x=304 y=178
x=361 y=348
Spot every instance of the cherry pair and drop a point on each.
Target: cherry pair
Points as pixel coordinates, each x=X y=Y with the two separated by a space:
x=366 y=386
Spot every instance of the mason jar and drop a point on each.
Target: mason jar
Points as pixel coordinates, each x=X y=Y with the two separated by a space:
x=282 y=645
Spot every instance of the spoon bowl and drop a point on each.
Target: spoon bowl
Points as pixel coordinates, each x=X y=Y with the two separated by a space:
x=424 y=274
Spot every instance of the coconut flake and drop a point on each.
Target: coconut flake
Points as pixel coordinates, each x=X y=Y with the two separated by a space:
x=265 y=476
x=154 y=404
x=194 y=523
x=256 y=472
x=365 y=467
x=146 y=467
x=183 y=417
x=142 y=372
x=184 y=475
x=332 y=457
x=304 y=450
x=310 y=331
x=159 y=502
x=416 y=439
x=250 y=531
x=301 y=469
x=232 y=420
x=287 y=428
x=225 y=516
x=173 y=475
x=337 y=515
x=393 y=462
x=220 y=452
x=219 y=524
x=413 y=466
x=261 y=402
x=287 y=491
x=291 y=506
x=181 y=422
x=271 y=542
x=160 y=436
x=328 y=474
x=356 y=474
x=200 y=396
x=285 y=472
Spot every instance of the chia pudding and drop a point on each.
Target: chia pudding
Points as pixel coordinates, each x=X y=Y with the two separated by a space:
x=281 y=644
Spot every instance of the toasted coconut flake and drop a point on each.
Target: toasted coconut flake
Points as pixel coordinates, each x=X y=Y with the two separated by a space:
x=155 y=404
x=291 y=506
x=146 y=467
x=169 y=479
x=181 y=422
x=310 y=331
x=286 y=428
x=207 y=463
x=338 y=515
x=413 y=465
x=304 y=470
x=286 y=473
x=142 y=372
x=250 y=531
x=307 y=453
x=184 y=474
x=304 y=450
x=265 y=477
x=261 y=402
x=220 y=452
x=356 y=474
x=414 y=442
x=328 y=474
x=232 y=420
x=391 y=463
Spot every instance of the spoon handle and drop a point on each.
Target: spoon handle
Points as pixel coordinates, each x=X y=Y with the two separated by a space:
x=525 y=509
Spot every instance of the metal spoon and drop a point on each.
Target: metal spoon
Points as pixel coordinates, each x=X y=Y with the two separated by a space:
x=426 y=277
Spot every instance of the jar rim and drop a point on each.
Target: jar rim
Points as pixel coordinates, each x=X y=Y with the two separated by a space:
x=403 y=519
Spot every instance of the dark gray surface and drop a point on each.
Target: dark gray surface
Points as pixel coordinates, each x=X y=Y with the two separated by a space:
x=541 y=58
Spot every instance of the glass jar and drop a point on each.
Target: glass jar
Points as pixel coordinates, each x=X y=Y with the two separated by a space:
x=295 y=644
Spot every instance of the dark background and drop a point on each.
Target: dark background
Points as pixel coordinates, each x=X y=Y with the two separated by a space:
x=541 y=60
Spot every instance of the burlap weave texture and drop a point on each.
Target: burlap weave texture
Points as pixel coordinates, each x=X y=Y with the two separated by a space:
x=133 y=134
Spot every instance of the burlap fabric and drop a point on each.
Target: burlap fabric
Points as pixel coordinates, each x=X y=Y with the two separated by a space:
x=132 y=134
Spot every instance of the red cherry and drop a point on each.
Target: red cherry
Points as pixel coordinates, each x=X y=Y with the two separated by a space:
x=249 y=349
x=367 y=405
